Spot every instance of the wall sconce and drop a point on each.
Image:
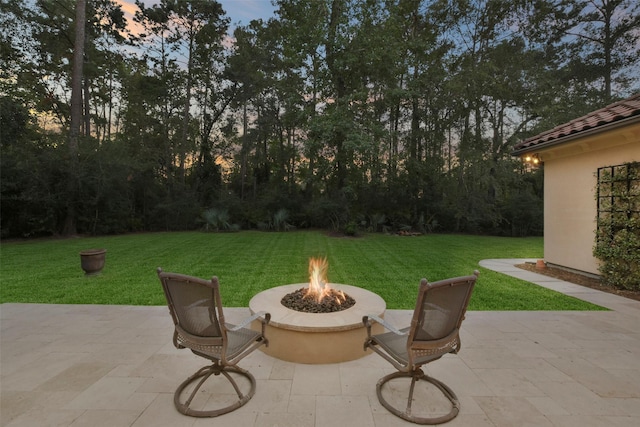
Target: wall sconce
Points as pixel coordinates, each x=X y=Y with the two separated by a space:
x=532 y=159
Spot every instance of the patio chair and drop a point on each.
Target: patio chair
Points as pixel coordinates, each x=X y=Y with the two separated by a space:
x=434 y=332
x=196 y=309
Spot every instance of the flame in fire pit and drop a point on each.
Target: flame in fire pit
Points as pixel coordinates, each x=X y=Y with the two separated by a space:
x=318 y=297
x=318 y=286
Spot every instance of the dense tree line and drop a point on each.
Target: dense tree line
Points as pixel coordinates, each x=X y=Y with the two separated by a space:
x=343 y=114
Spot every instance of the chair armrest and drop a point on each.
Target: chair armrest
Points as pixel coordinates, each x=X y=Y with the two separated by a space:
x=245 y=322
x=371 y=319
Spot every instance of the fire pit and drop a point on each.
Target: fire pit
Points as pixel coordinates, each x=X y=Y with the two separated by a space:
x=315 y=337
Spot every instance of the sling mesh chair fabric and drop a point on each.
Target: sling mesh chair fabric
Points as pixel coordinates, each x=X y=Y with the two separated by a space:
x=434 y=332
x=196 y=309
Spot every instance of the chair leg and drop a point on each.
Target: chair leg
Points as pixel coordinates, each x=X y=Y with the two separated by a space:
x=405 y=414
x=202 y=375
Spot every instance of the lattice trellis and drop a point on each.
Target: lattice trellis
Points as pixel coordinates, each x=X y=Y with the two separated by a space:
x=618 y=195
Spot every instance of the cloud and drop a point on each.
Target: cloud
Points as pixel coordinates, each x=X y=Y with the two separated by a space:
x=129 y=8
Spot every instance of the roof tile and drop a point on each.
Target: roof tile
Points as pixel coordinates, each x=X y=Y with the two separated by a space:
x=612 y=113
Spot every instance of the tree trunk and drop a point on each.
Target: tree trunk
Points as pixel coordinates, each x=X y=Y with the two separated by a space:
x=87 y=111
x=340 y=90
x=69 y=227
x=185 y=112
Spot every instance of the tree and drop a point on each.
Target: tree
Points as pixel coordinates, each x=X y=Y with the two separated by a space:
x=608 y=32
x=596 y=43
x=182 y=63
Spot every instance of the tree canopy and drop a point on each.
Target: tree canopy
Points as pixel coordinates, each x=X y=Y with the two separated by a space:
x=344 y=114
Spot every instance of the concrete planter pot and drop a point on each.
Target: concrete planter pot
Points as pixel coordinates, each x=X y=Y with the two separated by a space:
x=92 y=261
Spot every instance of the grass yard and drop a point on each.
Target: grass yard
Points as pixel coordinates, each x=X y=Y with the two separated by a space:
x=48 y=271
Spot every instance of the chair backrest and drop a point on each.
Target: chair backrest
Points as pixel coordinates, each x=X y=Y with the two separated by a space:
x=195 y=304
x=440 y=308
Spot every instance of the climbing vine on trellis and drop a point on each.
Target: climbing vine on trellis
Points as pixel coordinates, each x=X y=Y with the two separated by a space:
x=617 y=243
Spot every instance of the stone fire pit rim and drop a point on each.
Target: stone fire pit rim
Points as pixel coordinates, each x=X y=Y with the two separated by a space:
x=367 y=303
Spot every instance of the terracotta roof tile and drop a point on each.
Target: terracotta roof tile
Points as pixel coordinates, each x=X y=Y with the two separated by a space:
x=612 y=113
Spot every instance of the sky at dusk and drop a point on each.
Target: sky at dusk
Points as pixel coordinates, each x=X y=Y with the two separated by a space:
x=240 y=11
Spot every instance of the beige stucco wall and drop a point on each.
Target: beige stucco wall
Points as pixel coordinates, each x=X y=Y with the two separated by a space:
x=569 y=193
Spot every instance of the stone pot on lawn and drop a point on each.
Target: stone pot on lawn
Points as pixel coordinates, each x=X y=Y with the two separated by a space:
x=92 y=261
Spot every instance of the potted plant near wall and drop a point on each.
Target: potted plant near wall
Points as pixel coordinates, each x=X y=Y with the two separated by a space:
x=92 y=261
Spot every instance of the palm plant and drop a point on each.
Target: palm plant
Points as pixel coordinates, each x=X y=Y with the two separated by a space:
x=216 y=219
x=280 y=220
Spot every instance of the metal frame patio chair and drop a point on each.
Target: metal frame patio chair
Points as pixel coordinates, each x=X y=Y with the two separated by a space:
x=434 y=332
x=196 y=309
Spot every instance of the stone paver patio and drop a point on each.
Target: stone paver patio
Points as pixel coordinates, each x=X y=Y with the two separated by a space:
x=84 y=365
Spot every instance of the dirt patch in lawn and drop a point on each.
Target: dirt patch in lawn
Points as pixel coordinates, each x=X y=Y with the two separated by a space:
x=579 y=279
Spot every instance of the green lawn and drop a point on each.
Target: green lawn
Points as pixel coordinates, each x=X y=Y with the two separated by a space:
x=48 y=271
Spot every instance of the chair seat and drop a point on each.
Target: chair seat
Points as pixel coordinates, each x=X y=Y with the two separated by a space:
x=396 y=346
x=240 y=340
x=237 y=342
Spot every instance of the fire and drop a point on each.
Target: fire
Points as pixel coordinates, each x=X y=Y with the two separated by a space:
x=318 y=286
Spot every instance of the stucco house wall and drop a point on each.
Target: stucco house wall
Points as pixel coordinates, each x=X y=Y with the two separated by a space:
x=571 y=155
x=570 y=206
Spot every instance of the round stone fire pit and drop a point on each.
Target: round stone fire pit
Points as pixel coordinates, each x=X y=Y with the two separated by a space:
x=316 y=338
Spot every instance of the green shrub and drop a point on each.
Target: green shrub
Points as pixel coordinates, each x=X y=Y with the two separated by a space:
x=350 y=229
